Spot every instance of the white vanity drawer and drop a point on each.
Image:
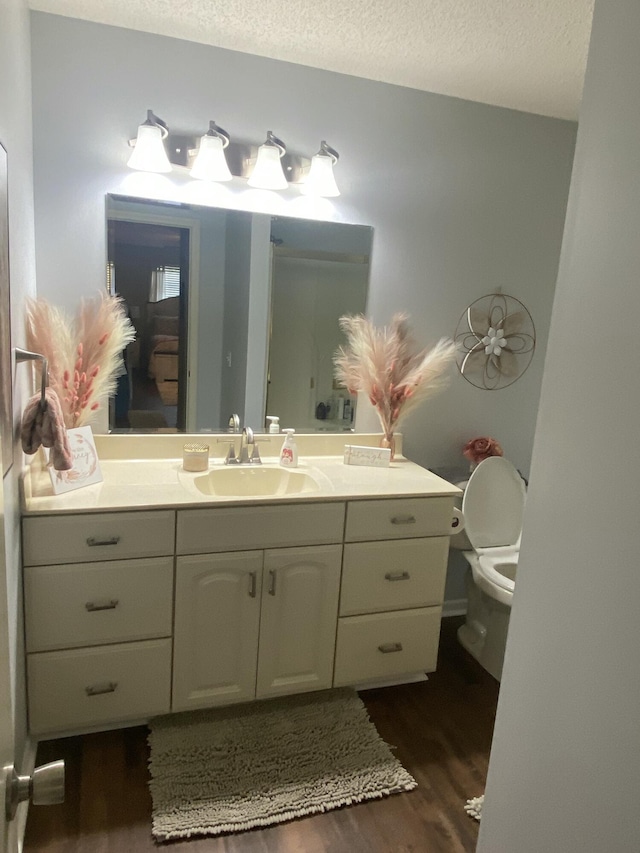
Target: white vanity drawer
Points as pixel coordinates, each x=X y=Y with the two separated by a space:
x=204 y=531
x=97 y=536
x=398 y=518
x=393 y=575
x=88 y=687
x=85 y=604
x=386 y=645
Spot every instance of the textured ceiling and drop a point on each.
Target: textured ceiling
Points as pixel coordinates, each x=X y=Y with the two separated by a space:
x=525 y=54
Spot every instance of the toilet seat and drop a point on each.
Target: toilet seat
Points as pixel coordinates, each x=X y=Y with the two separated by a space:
x=489 y=579
x=493 y=508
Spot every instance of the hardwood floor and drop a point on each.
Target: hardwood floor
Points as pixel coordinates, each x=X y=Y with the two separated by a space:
x=442 y=732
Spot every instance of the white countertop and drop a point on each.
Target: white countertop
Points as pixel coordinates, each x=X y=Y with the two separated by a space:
x=154 y=483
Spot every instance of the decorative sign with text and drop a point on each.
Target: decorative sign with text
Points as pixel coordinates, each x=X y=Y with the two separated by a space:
x=377 y=457
x=86 y=467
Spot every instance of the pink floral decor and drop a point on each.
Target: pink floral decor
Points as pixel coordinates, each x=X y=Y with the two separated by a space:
x=84 y=353
x=387 y=365
x=479 y=449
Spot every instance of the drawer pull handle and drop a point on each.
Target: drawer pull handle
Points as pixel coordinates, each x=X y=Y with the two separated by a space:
x=397 y=576
x=403 y=519
x=93 y=606
x=272 y=582
x=92 y=542
x=388 y=648
x=253 y=579
x=101 y=689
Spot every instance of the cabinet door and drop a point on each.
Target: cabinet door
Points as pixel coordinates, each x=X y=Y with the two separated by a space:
x=300 y=592
x=217 y=619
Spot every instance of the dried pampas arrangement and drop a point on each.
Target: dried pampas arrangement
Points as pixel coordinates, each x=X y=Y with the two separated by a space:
x=84 y=353
x=388 y=366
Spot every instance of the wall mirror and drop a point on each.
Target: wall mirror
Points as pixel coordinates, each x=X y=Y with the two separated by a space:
x=235 y=312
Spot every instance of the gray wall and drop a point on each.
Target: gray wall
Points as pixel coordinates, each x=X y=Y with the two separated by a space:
x=15 y=135
x=565 y=765
x=464 y=198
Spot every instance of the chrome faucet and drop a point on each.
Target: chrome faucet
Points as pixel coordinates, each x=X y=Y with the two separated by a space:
x=248 y=453
x=247 y=443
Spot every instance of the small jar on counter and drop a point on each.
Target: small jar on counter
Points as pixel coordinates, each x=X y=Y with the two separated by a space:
x=195 y=457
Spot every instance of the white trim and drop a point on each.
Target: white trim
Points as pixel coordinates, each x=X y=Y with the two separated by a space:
x=454 y=607
x=173 y=219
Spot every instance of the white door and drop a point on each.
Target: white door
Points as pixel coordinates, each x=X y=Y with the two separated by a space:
x=6 y=720
x=217 y=618
x=300 y=592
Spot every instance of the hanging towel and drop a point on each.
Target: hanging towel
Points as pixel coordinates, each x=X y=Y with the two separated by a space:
x=43 y=424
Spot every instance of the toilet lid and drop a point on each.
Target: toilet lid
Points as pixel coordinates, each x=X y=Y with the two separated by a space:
x=493 y=504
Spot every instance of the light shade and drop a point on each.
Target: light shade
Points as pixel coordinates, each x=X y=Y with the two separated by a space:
x=321 y=181
x=210 y=163
x=149 y=153
x=267 y=174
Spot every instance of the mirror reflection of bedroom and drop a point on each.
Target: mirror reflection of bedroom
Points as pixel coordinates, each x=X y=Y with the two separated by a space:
x=148 y=269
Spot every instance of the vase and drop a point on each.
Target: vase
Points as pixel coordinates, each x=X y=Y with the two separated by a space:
x=388 y=439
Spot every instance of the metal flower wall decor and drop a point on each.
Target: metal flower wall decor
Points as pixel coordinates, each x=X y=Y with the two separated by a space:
x=495 y=341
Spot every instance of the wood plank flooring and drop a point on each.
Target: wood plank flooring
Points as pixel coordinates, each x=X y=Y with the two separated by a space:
x=442 y=732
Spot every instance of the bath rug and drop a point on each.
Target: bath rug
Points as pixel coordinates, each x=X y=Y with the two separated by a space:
x=473 y=807
x=261 y=763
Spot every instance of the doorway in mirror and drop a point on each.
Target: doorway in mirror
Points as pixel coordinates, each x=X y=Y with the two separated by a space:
x=149 y=270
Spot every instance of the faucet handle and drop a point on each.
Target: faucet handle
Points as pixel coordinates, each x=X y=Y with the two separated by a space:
x=230 y=458
x=255 y=455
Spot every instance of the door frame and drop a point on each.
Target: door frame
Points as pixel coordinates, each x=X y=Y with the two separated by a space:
x=193 y=227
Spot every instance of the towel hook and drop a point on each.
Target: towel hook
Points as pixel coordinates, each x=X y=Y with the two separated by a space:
x=26 y=355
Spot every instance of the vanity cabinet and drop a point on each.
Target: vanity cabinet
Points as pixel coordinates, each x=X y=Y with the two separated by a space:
x=254 y=624
x=392 y=589
x=132 y=614
x=98 y=630
x=217 y=622
x=300 y=592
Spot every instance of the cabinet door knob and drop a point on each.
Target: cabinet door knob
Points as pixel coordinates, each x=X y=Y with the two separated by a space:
x=388 y=648
x=403 y=519
x=100 y=689
x=397 y=576
x=93 y=606
x=272 y=582
x=253 y=583
x=92 y=542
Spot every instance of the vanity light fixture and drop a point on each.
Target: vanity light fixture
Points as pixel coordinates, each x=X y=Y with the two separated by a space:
x=267 y=173
x=210 y=163
x=149 y=153
x=321 y=181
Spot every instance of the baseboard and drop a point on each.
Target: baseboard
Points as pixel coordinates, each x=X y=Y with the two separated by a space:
x=454 y=607
x=391 y=682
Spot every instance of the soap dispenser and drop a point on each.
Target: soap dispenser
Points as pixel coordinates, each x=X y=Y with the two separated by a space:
x=274 y=424
x=289 y=452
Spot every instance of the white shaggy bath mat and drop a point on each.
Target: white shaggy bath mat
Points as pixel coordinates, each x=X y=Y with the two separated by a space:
x=474 y=807
x=262 y=763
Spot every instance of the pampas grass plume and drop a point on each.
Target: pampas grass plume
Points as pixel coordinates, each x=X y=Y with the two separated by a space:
x=388 y=366
x=84 y=353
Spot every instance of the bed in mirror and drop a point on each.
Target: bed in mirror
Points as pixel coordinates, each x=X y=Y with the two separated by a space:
x=235 y=312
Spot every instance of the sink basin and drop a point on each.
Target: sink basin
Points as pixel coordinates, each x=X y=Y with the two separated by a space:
x=249 y=481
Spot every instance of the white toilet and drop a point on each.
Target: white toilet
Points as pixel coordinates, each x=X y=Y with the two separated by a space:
x=492 y=507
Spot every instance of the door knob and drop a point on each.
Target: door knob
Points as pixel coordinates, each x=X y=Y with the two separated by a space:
x=45 y=787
